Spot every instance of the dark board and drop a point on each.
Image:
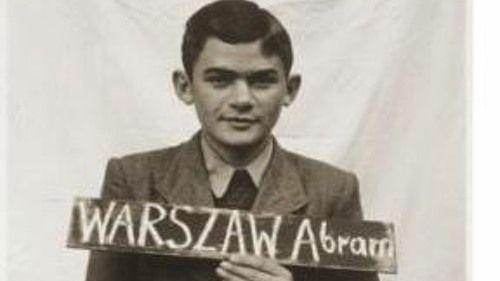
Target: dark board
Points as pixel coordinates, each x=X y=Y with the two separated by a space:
x=155 y=228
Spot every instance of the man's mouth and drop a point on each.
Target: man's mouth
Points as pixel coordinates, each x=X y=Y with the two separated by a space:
x=240 y=121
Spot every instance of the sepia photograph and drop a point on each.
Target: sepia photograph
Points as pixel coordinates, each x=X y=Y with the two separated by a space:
x=237 y=140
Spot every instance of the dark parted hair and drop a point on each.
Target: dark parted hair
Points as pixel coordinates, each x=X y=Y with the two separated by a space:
x=235 y=21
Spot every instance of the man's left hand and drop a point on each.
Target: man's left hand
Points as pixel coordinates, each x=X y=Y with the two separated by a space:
x=252 y=268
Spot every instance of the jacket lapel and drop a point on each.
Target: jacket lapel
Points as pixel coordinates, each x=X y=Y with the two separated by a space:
x=282 y=191
x=185 y=181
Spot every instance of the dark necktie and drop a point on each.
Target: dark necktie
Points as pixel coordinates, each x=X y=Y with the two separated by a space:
x=240 y=193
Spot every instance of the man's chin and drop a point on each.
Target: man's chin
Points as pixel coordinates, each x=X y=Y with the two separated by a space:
x=242 y=140
x=242 y=143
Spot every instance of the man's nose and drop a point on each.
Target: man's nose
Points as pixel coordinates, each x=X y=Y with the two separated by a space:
x=243 y=98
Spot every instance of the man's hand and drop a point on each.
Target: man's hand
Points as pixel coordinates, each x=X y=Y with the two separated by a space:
x=252 y=268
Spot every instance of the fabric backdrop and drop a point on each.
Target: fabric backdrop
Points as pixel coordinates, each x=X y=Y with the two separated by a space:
x=383 y=95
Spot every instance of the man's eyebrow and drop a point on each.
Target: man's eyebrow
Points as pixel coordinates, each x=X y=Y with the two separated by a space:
x=220 y=71
x=271 y=72
x=252 y=74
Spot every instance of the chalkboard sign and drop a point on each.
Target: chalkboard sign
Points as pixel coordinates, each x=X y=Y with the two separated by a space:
x=155 y=228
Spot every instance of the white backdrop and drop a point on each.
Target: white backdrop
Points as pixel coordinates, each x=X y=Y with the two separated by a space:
x=383 y=95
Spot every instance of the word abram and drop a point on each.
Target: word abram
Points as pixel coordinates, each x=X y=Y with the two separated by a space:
x=151 y=227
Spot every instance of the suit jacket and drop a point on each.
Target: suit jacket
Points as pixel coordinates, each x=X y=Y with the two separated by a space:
x=292 y=184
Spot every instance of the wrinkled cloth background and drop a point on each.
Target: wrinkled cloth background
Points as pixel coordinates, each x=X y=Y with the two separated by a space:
x=383 y=95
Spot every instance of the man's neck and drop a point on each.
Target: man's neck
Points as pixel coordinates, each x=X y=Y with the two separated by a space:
x=237 y=156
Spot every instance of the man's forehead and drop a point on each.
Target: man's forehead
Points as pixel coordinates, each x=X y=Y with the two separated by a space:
x=243 y=57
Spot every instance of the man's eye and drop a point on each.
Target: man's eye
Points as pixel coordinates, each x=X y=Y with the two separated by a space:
x=263 y=83
x=218 y=81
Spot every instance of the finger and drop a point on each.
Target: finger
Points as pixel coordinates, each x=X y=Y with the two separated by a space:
x=226 y=275
x=267 y=265
x=247 y=273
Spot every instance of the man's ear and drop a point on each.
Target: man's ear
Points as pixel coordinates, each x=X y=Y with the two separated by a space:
x=293 y=86
x=182 y=86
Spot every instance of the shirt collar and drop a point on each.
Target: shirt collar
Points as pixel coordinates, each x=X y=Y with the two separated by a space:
x=220 y=172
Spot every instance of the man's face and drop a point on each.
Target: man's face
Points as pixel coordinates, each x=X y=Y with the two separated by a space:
x=238 y=92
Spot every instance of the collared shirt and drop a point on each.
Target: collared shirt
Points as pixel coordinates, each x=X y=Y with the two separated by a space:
x=220 y=172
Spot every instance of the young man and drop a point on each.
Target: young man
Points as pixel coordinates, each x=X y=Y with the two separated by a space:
x=237 y=59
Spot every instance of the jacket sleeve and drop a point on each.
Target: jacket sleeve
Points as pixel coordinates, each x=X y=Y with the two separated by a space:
x=109 y=266
x=350 y=208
